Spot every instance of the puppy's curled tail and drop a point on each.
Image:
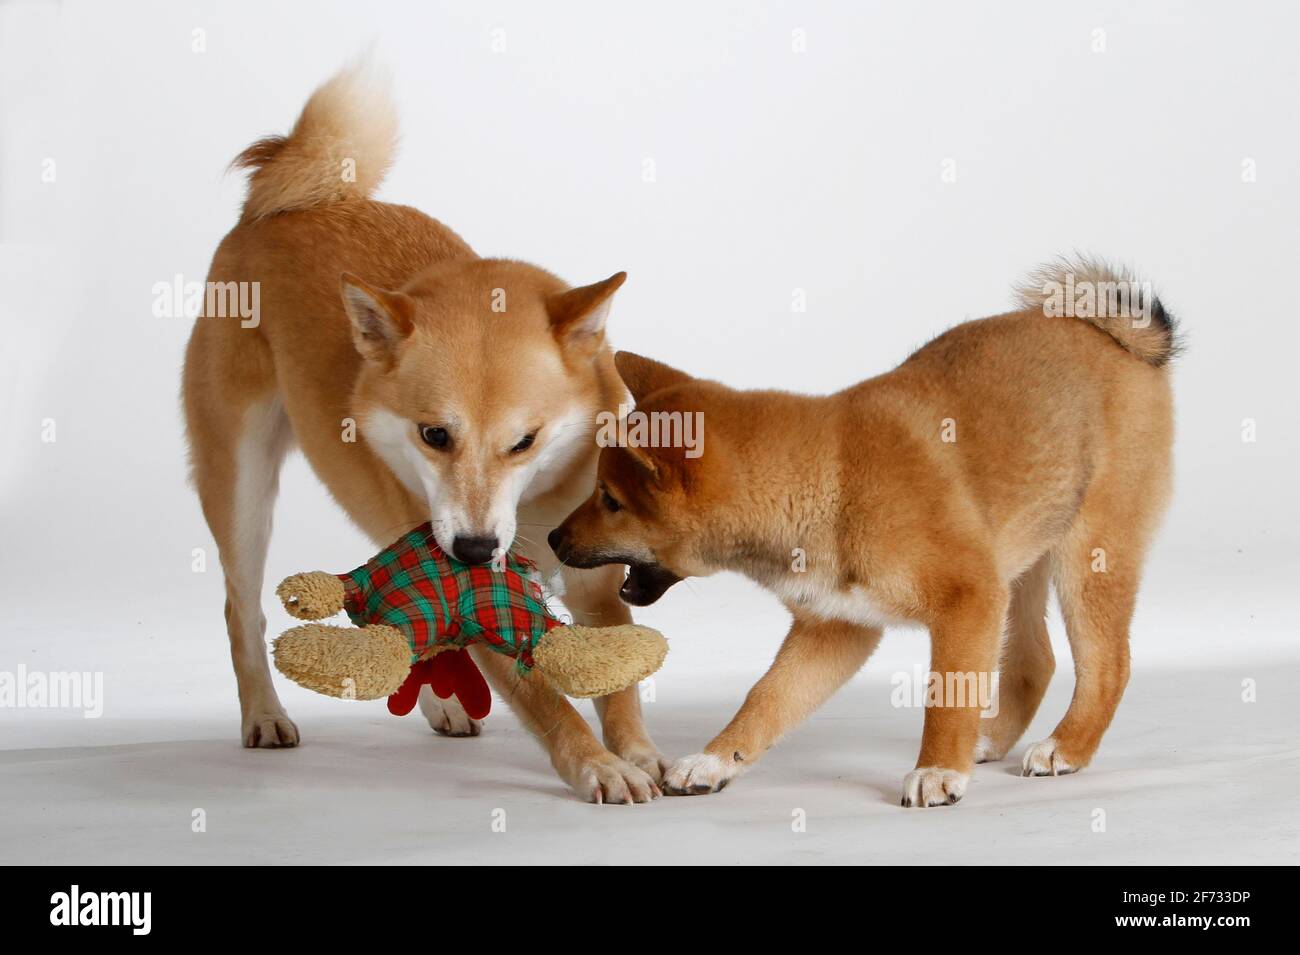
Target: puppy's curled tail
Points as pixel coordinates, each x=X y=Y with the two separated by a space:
x=1110 y=298
x=340 y=148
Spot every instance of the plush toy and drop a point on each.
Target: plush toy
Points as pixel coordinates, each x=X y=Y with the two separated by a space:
x=416 y=608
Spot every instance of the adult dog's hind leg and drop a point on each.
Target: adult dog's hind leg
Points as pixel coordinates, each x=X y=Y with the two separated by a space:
x=447 y=717
x=239 y=435
x=237 y=461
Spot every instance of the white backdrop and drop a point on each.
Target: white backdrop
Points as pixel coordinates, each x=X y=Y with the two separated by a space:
x=794 y=146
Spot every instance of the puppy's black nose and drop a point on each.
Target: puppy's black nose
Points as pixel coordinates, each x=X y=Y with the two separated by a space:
x=556 y=539
x=474 y=550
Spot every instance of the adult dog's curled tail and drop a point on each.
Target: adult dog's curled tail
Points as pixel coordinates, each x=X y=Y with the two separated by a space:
x=1112 y=299
x=340 y=148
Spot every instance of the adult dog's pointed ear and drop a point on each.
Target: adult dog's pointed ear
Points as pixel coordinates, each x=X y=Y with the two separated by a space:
x=643 y=375
x=381 y=320
x=578 y=315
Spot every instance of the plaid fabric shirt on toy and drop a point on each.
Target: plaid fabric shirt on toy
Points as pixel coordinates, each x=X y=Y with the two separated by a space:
x=437 y=601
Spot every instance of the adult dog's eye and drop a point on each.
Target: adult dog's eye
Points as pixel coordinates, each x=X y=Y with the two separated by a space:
x=524 y=443
x=434 y=437
x=611 y=504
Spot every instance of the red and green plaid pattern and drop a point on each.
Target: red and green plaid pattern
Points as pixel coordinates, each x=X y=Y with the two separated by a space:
x=436 y=600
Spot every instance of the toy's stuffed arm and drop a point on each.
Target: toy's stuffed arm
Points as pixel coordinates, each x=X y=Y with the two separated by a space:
x=598 y=661
x=311 y=596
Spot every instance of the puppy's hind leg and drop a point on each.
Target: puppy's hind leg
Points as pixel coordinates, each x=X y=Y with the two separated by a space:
x=964 y=647
x=1098 y=567
x=1026 y=666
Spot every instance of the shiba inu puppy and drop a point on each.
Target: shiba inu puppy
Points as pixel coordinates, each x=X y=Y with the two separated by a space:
x=422 y=383
x=1009 y=454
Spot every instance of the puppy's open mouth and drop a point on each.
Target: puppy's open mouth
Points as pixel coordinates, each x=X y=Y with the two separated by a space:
x=645 y=584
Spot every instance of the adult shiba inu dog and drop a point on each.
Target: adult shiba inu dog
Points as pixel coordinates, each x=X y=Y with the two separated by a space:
x=422 y=383
x=1010 y=453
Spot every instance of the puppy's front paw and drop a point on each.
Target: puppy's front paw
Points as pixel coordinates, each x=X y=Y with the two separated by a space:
x=606 y=779
x=698 y=775
x=1045 y=758
x=933 y=786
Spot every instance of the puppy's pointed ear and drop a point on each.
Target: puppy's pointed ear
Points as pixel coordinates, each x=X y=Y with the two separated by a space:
x=644 y=375
x=643 y=459
x=578 y=315
x=381 y=320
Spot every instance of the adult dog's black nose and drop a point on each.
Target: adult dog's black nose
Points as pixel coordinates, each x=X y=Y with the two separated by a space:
x=556 y=539
x=474 y=550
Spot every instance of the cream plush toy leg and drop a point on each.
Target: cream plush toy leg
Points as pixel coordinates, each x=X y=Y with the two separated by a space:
x=355 y=663
x=598 y=661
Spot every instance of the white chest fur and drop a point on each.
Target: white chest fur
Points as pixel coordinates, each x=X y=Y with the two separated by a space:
x=806 y=594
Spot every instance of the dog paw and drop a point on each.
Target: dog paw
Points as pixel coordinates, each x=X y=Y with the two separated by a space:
x=273 y=730
x=447 y=717
x=648 y=759
x=606 y=779
x=987 y=751
x=933 y=786
x=1044 y=758
x=698 y=775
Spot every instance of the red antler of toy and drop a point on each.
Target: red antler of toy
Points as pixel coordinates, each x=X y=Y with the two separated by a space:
x=447 y=673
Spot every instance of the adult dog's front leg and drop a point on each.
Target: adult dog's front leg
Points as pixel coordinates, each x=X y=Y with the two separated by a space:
x=595 y=774
x=963 y=656
x=815 y=660
x=592 y=596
